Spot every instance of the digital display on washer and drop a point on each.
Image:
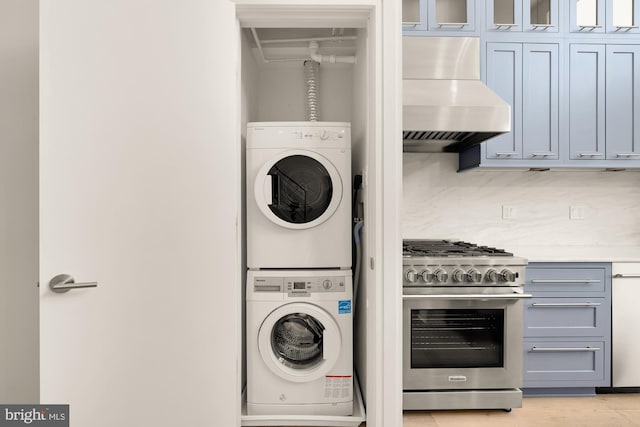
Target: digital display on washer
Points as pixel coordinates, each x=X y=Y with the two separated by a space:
x=299 y=286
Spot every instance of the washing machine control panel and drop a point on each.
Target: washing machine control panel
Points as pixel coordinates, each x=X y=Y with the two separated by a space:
x=300 y=286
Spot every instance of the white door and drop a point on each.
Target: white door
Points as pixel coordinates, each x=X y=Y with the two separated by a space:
x=139 y=192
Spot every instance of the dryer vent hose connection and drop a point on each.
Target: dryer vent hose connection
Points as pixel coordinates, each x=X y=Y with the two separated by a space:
x=311 y=77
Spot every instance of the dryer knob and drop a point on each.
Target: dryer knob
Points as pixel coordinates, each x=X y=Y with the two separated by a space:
x=327 y=284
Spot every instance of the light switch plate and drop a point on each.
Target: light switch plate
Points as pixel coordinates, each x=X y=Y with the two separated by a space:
x=509 y=212
x=577 y=212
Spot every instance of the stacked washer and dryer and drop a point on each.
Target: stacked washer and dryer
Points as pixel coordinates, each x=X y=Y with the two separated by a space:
x=299 y=286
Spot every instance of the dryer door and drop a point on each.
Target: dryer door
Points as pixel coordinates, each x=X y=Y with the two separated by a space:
x=298 y=189
x=299 y=342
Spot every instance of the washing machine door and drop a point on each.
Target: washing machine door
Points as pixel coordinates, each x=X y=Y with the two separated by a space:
x=299 y=342
x=298 y=189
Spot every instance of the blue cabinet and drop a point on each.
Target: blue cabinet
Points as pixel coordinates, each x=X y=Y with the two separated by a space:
x=604 y=98
x=567 y=328
x=526 y=75
x=451 y=15
x=623 y=103
x=587 y=102
x=524 y=16
x=613 y=17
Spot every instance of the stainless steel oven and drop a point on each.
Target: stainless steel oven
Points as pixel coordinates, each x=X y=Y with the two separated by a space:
x=463 y=329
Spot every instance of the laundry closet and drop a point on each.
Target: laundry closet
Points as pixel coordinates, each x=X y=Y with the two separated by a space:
x=309 y=74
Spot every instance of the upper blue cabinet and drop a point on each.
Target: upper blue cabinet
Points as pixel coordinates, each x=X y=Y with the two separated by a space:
x=451 y=15
x=439 y=17
x=524 y=16
x=414 y=15
x=615 y=17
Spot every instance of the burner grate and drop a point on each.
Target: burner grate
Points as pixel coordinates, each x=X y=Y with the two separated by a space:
x=448 y=248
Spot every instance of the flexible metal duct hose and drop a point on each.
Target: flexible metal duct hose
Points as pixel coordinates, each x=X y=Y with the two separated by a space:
x=311 y=74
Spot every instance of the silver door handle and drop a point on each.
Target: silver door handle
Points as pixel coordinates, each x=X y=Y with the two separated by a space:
x=628 y=154
x=507 y=153
x=626 y=276
x=565 y=281
x=565 y=348
x=566 y=304
x=591 y=155
x=547 y=154
x=64 y=283
x=452 y=24
x=514 y=296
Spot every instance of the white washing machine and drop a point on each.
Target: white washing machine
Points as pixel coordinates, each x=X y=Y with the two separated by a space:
x=298 y=195
x=299 y=342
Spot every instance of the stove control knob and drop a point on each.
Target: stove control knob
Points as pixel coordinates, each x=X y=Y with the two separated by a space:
x=426 y=275
x=507 y=275
x=411 y=275
x=474 y=275
x=458 y=275
x=491 y=275
x=440 y=275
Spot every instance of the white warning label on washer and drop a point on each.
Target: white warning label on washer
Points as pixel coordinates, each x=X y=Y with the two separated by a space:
x=337 y=386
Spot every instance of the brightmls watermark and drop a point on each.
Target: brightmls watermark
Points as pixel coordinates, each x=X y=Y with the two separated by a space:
x=34 y=415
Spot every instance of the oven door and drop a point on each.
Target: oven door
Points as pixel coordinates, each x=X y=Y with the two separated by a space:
x=459 y=342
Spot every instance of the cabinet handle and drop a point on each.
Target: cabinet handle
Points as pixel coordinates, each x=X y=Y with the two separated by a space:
x=547 y=154
x=543 y=281
x=591 y=155
x=506 y=153
x=566 y=304
x=452 y=24
x=543 y=26
x=543 y=349
x=625 y=27
x=628 y=154
x=589 y=27
x=626 y=276
x=505 y=25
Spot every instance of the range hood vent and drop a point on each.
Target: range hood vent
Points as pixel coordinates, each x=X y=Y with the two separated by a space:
x=446 y=108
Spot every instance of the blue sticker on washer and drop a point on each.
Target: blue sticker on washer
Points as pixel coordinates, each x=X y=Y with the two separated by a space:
x=344 y=306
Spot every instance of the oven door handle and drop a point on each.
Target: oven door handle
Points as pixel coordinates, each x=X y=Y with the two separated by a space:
x=470 y=296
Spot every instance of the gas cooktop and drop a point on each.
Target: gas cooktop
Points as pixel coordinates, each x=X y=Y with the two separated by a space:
x=448 y=248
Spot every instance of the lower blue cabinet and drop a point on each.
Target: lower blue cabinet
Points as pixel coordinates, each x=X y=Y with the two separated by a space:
x=567 y=328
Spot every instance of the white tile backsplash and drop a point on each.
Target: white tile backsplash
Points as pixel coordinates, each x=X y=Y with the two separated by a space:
x=438 y=202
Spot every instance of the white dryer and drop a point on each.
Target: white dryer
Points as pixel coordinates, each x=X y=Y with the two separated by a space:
x=299 y=342
x=298 y=193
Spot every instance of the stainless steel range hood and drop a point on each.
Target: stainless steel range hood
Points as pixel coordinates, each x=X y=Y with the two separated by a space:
x=445 y=105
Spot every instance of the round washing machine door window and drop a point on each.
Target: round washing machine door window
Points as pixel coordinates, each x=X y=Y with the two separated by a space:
x=298 y=189
x=299 y=342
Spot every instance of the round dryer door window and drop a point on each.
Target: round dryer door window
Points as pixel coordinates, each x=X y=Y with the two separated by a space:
x=299 y=342
x=299 y=189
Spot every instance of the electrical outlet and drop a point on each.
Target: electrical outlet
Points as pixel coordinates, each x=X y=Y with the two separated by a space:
x=577 y=212
x=509 y=212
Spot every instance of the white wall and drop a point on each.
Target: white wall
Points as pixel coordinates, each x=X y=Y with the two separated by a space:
x=18 y=201
x=282 y=92
x=440 y=203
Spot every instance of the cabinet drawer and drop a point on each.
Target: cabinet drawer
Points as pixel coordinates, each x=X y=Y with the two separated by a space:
x=562 y=363
x=566 y=281
x=577 y=317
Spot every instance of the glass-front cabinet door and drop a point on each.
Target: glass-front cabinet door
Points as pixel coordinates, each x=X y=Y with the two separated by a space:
x=414 y=15
x=623 y=16
x=539 y=16
x=451 y=15
x=597 y=16
x=504 y=15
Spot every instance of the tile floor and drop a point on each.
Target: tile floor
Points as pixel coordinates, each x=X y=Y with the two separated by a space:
x=602 y=410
